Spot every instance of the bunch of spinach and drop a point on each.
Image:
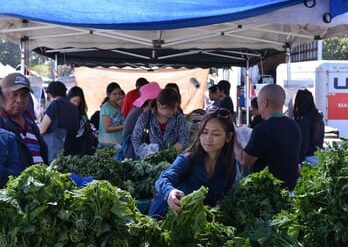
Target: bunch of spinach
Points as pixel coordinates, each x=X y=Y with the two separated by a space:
x=195 y=225
x=42 y=207
x=38 y=195
x=99 y=215
x=101 y=166
x=137 y=177
x=259 y=196
x=318 y=216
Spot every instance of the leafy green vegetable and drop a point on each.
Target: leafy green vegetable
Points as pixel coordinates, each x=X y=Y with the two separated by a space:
x=318 y=216
x=42 y=207
x=195 y=225
x=137 y=177
x=258 y=196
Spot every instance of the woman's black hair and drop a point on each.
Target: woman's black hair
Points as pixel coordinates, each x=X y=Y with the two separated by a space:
x=213 y=88
x=111 y=87
x=304 y=102
x=77 y=91
x=174 y=86
x=224 y=86
x=226 y=160
x=168 y=97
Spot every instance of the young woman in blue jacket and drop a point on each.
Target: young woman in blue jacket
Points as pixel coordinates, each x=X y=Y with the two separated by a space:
x=209 y=162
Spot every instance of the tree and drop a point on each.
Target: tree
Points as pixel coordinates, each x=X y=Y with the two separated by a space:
x=336 y=48
x=10 y=53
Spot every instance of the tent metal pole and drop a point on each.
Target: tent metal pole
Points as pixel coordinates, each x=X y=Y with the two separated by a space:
x=59 y=35
x=131 y=54
x=247 y=103
x=255 y=39
x=70 y=50
x=243 y=53
x=207 y=34
x=24 y=55
x=55 y=66
x=306 y=36
x=123 y=38
x=288 y=79
x=221 y=55
x=191 y=39
x=180 y=54
x=24 y=29
x=320 y=50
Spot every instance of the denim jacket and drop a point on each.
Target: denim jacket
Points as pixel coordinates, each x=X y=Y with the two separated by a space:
x=188 y=174
x=9 y=158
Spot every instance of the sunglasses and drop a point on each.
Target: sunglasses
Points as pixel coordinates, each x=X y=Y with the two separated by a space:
x=220 y=112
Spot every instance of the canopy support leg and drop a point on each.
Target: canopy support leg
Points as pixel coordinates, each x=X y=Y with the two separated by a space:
x=55 y=66
x=248 y=90
x=25 y=55
x=288 y=79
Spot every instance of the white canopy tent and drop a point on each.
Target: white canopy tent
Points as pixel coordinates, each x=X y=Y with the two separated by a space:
x=238 y=40
x=277 y=30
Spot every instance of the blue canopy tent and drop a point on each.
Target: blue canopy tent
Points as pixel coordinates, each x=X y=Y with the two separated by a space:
x=161 y=32
x=139 y=15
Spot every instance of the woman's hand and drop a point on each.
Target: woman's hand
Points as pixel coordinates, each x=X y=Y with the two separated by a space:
x=174 y=200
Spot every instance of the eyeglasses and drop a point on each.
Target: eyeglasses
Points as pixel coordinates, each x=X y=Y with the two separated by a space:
x=220 y=112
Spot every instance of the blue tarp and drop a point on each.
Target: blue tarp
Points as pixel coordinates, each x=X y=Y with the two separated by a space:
x=338 y=7
x=140 y=14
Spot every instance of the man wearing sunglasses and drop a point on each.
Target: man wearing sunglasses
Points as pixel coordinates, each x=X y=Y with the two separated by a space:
x=276 y=142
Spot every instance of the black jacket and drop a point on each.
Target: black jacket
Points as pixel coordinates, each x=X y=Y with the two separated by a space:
x=25 y=155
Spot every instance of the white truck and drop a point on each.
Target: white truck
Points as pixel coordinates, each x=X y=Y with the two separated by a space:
x=328 y=82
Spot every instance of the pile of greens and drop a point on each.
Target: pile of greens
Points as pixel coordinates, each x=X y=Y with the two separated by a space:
x=195 y=225
x=30 y=205
x=42 y=207
x=258 y=196
x=318 y=216
x=137 y=177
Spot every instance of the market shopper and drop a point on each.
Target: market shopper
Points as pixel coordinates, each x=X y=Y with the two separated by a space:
x=111 y=120
x=226 y=100
x=256 y=116
x=311 y=124
x=86 y=141
x=60 y=122
x=9 y=158
x=175 y=87
x=132 y=95
x=148 y=93
x=161 y=127
x=209 y=162
x=214 y=95
x=14 y=118
x=275 y=143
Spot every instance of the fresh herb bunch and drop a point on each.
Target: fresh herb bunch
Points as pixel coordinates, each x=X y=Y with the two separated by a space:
x=42 y=207
x=38 y=195
x=99 y=215
x=258 y=196
x=195 y=225
x=318 y=216
x=137 y=177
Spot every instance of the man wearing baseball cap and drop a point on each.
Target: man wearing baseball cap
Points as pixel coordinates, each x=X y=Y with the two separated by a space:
x=15 y=118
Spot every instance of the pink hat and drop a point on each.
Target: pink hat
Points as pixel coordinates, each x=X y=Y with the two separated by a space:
x=148 y=91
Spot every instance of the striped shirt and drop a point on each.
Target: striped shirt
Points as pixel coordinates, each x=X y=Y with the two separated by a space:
x=32 y=143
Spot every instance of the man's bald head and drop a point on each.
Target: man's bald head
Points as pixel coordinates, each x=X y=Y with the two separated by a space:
x=275 y=95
